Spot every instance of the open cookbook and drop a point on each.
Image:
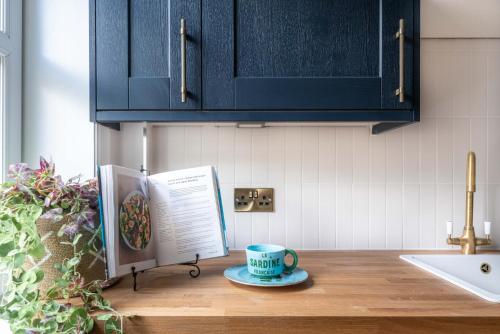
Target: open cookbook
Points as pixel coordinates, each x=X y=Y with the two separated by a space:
x=158 y=220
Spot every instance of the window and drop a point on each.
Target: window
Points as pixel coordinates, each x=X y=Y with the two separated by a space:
x=3 y=16
x=10 y=94
x=10 y=83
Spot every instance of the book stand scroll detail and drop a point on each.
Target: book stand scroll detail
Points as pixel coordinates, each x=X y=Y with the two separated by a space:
x=195 y=272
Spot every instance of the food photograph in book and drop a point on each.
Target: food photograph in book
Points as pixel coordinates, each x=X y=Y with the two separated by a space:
x=134 y=221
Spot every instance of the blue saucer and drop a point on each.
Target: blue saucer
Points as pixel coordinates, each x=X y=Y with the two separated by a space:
x=240 y=274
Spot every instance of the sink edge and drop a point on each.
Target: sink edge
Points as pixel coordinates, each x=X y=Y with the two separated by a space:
x=489 y=296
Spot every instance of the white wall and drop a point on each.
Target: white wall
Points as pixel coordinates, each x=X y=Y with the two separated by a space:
x=56 y=86
x=460 y=19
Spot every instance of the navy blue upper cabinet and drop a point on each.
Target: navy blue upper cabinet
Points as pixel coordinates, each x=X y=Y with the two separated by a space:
x=254 y=60
x=304 y=54
x=138 y=54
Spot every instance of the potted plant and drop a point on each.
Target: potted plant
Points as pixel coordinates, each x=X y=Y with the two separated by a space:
x=51 y=251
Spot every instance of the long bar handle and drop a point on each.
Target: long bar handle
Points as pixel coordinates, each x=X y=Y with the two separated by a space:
x=400 y=34
x=183 y=61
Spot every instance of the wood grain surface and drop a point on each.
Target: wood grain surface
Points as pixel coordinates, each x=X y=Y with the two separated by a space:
x=347 y=292
x=307 y=38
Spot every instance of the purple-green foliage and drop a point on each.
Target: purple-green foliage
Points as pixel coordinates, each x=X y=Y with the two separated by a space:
x=39 y=193
x=72 y=199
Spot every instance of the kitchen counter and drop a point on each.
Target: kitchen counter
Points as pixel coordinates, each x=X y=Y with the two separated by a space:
x=354 y=292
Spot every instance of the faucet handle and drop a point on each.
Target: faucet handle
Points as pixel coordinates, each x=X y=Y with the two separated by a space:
x=449 y=228
x=487 y=228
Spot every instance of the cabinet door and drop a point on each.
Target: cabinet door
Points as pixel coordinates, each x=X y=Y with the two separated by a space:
x=138 y=54
x=304 y=54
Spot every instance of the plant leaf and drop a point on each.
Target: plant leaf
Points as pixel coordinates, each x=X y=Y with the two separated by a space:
x=38 y=251
x=19 y=260
x=111 y=326
x=61 y=283
x=73 y=262
x=39 y=275
x=76 y=239
x=6 y=248
x=54 y=215
x=104 y=317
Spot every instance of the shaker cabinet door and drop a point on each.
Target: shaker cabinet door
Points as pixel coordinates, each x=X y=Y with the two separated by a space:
x=305 y=54
x=139 y=59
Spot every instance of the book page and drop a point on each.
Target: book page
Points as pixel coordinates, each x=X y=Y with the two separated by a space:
x=129 y=227
x=185 y=210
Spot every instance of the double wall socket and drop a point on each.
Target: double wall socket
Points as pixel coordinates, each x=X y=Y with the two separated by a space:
x=253 y=199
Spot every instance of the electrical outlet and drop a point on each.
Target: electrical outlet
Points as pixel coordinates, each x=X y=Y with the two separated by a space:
x=253 y=199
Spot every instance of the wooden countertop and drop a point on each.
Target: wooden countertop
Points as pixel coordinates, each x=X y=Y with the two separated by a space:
x=346 y=291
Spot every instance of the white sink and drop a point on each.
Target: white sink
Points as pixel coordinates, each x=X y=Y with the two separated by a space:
x=479 y=274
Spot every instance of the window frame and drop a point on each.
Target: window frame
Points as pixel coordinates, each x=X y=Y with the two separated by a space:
x=11 y=84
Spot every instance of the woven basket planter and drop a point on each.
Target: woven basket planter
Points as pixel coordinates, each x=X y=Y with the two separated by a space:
x=91 y=267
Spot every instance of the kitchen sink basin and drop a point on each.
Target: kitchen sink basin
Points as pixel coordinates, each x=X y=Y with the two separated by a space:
x=479 y=274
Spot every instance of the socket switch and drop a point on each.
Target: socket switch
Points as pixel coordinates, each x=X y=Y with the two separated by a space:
x=253 y=199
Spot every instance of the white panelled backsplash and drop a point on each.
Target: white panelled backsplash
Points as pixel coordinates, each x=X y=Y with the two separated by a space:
x=342 y=188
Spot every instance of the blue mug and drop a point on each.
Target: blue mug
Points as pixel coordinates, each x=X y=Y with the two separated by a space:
x=269 y=260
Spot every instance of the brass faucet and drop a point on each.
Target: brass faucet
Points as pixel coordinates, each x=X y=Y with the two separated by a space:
x=468 y=240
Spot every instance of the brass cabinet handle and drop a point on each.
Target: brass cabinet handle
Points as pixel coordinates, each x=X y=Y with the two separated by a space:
x=183 y=61
x=400 y=34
